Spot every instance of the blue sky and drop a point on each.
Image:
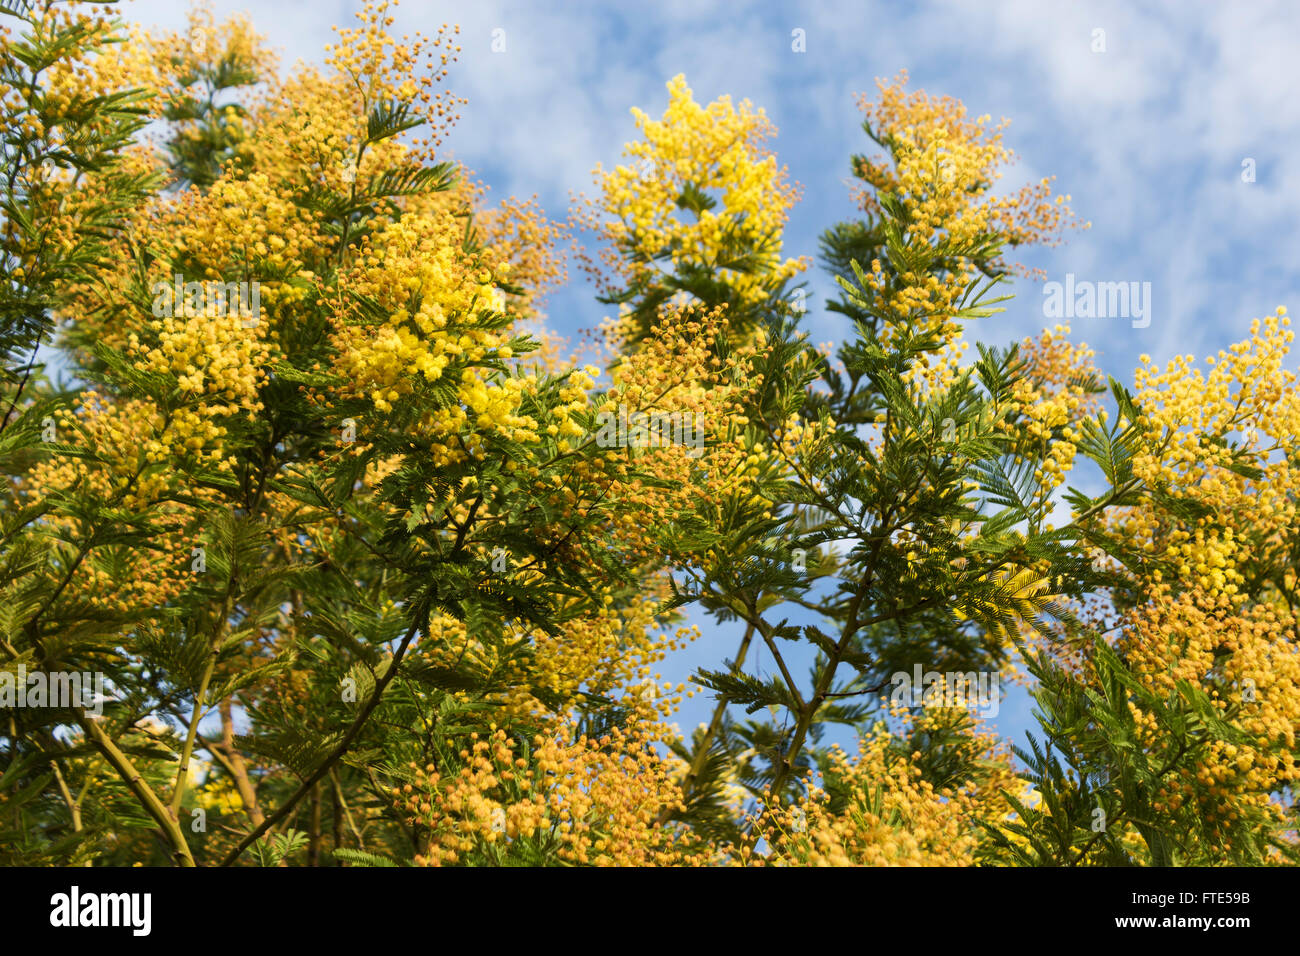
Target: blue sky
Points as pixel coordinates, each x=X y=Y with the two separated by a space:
x=1148 y=136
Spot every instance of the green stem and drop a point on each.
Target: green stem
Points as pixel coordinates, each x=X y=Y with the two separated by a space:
x=182 y=772
x=339 y=750
x=143 y=792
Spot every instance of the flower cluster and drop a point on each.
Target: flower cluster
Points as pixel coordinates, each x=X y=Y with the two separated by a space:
x=876 y=809
x=945 y=166
x=699 y=192
x=597 y=799
x=942 y=167
x=1248 y=660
